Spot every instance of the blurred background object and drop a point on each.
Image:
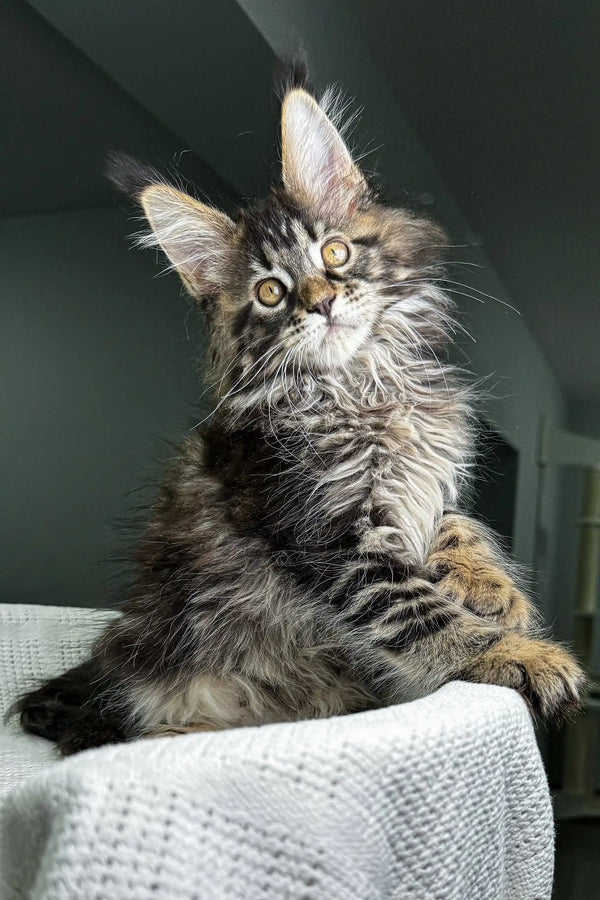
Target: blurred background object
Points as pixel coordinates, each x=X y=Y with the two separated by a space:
x=483 y=115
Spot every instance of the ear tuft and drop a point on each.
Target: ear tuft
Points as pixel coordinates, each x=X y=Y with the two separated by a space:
x=291 y=72
x=317 y=167
x=130 y=175
x=196 y=238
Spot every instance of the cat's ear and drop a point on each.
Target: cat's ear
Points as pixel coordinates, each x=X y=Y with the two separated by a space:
x=196 y=238
x=317 y=167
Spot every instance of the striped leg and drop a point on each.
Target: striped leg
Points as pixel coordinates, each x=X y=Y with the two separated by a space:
x=406 y=636
x=405 y=629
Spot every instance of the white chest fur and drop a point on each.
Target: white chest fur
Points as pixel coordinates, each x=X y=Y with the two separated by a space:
x=386 y=474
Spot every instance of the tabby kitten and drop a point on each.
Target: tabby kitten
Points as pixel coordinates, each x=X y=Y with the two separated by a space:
x=306 y=557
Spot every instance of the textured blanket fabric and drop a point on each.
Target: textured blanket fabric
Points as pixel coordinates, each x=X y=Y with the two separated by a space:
x=441 y=798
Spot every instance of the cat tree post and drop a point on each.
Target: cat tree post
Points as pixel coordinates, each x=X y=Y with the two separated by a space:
x=566 y=449
x=579 y=768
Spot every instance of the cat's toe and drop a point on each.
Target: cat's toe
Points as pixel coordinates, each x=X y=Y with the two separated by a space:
x=555 y=683
x=545 y=674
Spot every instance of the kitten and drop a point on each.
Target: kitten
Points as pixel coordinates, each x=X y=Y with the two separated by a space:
x=306 y=557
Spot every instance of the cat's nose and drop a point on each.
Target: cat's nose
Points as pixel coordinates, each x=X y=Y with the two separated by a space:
x=317 y=295
x=324 y=306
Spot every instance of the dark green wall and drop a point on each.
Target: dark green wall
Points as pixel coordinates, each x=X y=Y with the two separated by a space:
x=99 y=372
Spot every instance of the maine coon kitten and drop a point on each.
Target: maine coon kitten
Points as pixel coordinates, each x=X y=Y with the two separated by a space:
x=306 y=557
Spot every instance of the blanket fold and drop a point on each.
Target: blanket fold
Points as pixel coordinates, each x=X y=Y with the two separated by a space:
x=445 y=797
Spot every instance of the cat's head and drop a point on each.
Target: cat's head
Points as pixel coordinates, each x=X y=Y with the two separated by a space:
x=305 y=279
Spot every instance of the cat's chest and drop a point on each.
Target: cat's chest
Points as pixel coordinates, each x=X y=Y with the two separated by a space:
x=354 y=462
x=352 y=483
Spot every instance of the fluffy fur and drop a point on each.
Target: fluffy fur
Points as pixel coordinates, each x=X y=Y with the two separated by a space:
x=305 y=557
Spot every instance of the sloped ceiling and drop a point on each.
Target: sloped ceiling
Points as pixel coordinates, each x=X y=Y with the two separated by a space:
x=59 y=116
x=201 y=68
x=505 y=96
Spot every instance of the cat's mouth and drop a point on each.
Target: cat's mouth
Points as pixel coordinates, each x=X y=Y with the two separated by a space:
x=337 y=324
x=332 y=341
x=333 y=327
x=339 y=340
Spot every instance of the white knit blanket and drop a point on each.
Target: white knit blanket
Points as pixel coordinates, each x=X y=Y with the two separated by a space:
x=442 y=798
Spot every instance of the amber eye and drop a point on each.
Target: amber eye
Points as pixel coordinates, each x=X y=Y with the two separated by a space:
x=270 y=292
x=335 y=253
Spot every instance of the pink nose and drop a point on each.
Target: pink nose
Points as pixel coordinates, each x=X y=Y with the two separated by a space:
x=324 y=306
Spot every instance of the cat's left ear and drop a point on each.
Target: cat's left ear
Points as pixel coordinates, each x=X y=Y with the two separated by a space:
x=317 y=168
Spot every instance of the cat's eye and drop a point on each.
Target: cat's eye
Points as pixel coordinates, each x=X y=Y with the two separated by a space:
x=335 y=253
x=271 y=291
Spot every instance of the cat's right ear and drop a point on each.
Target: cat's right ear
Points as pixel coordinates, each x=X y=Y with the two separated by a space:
x=197 y=239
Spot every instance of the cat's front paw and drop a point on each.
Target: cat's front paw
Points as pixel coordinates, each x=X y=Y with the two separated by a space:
x=545 y=674
x=466 y=566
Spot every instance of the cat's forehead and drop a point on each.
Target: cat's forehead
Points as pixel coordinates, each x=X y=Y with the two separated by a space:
x=275 y=233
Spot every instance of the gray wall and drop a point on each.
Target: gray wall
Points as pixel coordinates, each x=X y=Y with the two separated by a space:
x=98 y=372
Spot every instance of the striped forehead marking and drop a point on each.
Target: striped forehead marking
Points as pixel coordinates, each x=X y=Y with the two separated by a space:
x=275 y=227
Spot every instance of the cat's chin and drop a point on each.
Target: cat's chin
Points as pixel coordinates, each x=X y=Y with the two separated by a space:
x=337 y=345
